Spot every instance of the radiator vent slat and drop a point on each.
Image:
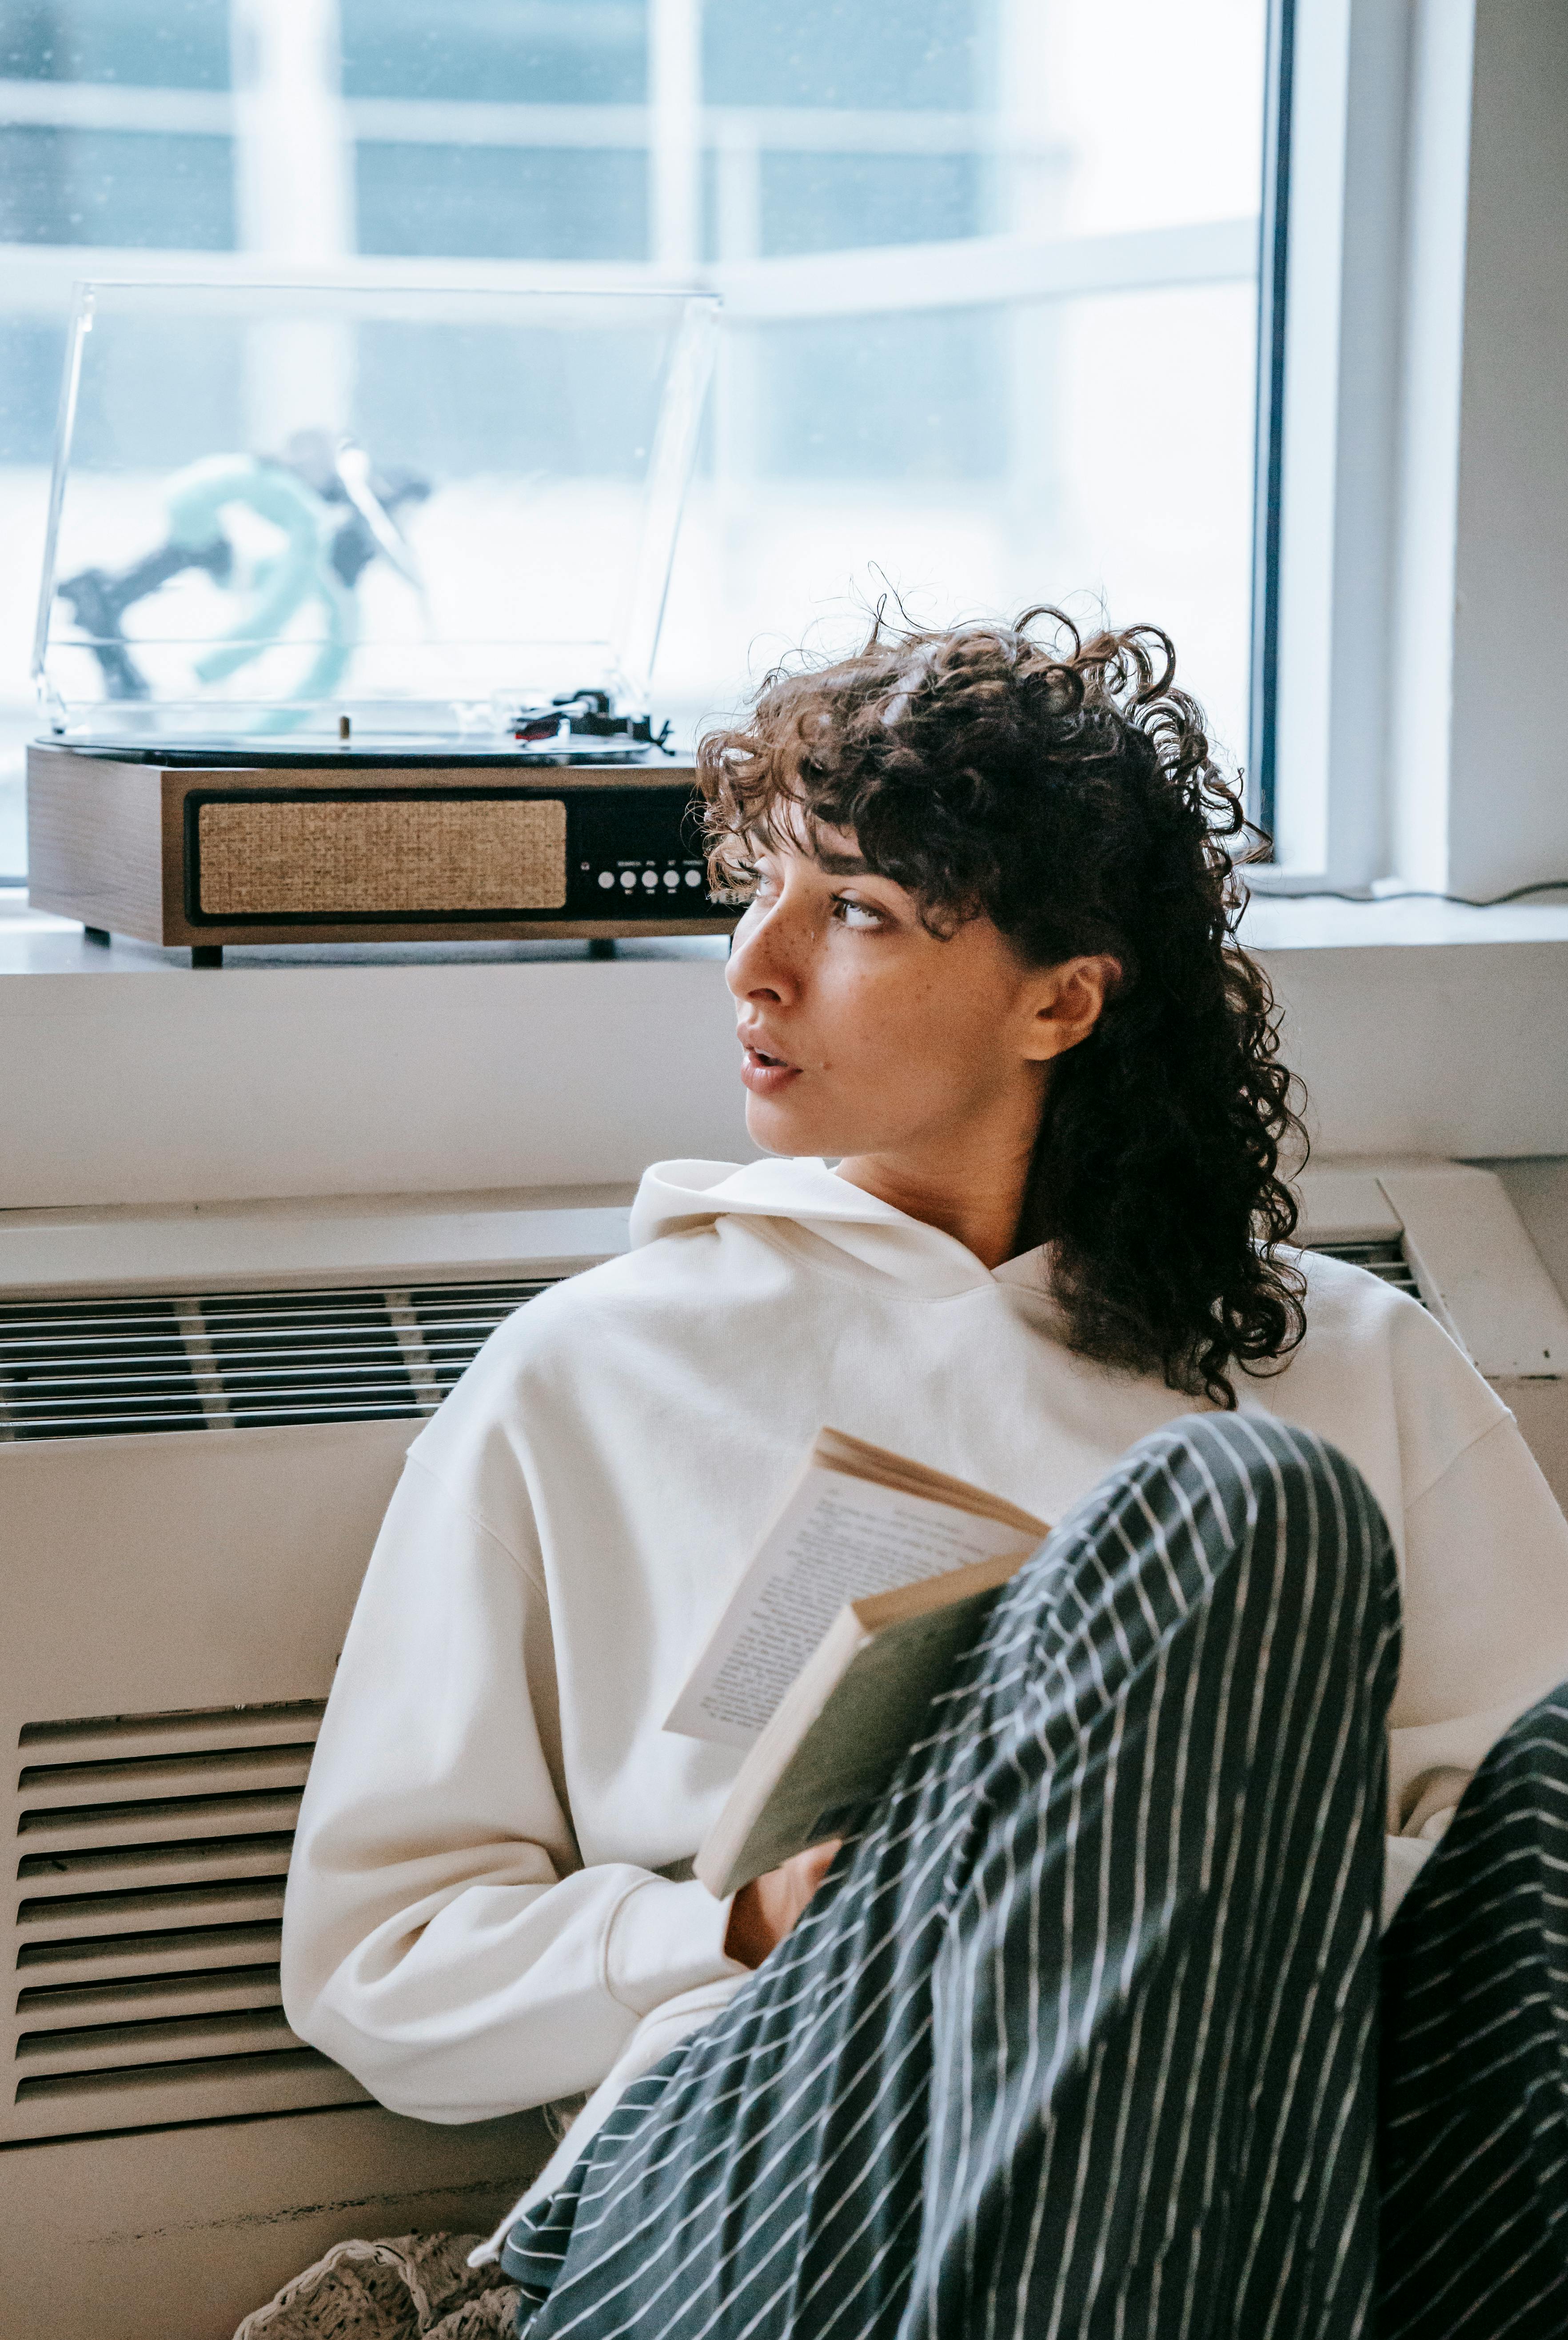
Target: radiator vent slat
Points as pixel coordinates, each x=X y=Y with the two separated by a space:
x=172 y=1949
x=83 y=2004
x=37 y=1350
x=202 y=1727
x=134 y=1423
x=204 y=2088
x=101 y=1368
x=240 y=1901
x=161 y=2039
x=150 y=1858
x=142 y=1775
x=324 y=1368
x=178 y=1863
x=1383 y=1256
x=65 y=1830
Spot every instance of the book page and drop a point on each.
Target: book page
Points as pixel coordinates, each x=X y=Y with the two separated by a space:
x=838 y=1539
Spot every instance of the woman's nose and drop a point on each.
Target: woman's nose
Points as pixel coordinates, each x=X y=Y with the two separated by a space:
x=760 y=963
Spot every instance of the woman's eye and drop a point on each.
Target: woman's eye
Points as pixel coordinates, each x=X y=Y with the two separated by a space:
x=853 y=913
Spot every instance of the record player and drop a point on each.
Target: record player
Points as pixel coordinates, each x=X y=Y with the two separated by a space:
x=350 y=603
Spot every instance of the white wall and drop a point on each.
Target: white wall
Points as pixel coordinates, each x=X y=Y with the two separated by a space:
x=126 y=1079
x=129 y=1079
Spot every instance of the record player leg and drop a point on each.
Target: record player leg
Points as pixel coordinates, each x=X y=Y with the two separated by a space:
x=601 y=945
x=96 y=935
x=206 y=954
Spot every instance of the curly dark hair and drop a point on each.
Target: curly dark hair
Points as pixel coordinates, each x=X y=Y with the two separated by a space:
x=1065 y=788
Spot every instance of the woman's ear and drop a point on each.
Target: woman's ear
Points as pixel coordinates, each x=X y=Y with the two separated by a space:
x=1064 y=1003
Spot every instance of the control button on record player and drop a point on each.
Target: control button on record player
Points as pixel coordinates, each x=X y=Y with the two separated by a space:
x=607 y=877
x=629 y=877
x=673 y=877
x=694 y=876
x=650 y=876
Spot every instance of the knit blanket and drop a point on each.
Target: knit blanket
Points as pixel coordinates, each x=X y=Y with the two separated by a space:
x=410 y=2287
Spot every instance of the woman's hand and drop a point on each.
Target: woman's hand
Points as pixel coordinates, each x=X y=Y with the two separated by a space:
x=762 y=1912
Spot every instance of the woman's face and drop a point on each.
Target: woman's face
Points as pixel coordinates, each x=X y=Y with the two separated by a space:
x=865 y=1034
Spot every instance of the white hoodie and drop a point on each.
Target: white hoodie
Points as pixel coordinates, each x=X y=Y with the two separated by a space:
x=476 y=1920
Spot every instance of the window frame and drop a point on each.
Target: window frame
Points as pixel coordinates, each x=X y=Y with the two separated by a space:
x=1273 y=277
x=1361 y=348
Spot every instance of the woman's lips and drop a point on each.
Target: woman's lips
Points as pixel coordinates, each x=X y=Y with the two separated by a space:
x=763 y=1074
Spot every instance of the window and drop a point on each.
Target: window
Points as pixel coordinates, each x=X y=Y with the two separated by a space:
x=989 y=270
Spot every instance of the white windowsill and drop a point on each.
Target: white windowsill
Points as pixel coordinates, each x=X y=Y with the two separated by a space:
x=35 y=943
x=1276 y=922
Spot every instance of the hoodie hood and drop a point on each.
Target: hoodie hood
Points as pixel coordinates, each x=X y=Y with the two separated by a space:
x=811 y=1200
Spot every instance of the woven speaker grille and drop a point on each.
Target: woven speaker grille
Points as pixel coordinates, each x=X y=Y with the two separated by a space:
x=401 y=855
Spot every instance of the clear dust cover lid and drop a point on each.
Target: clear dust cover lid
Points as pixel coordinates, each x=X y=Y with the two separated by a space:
x=424 y=517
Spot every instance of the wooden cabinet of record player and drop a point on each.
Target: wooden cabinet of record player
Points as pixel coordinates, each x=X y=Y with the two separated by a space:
x=197 y=854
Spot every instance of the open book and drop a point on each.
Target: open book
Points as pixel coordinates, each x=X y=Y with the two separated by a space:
x=838 y=1635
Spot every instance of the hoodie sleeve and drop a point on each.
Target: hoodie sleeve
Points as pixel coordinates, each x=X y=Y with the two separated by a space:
x=1484 y=1632
x=442 y=1940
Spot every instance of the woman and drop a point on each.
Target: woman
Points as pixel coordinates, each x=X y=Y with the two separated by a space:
x=1073 y=2032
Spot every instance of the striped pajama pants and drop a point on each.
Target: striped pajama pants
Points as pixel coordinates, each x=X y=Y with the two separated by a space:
x=1078 y=2035
x=1473 y=2155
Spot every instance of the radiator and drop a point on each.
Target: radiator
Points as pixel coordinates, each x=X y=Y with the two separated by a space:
x=202 y=1418
x=191 y=1479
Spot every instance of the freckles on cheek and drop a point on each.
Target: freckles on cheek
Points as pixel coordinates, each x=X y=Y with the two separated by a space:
x=873 y=1026
x=880 y=1017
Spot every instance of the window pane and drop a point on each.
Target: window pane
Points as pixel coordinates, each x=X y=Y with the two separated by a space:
x=831 y=203
x=973 y=456
x=973 y=460
x=916 y=398
x=440 y=401
x=31 y=353
x=503 y=202
x=529 y=52
x=138 y=189
x=181 y=396
x=146 y=43
x=1164 y=123
x=858 y=53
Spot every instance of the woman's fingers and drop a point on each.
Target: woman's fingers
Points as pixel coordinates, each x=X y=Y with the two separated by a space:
x=763 y=1912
